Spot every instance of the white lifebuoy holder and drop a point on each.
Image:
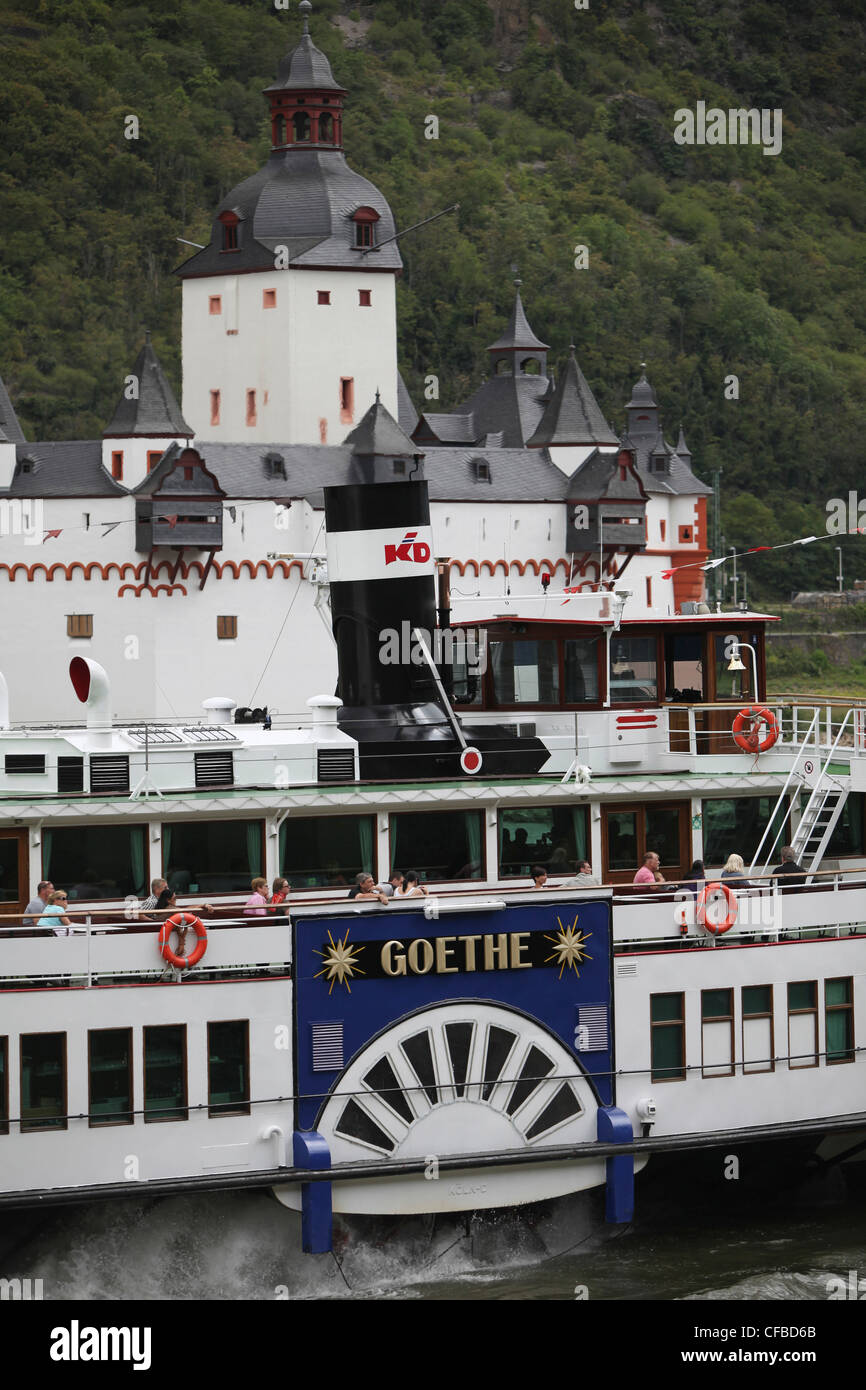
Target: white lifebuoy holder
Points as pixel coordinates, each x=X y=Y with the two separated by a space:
x=471 y=760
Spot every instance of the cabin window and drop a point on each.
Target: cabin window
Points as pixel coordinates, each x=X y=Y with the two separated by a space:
x=839 y=1020
x=555 y=836
x=228 y=1067
x=735 y=685
x=668 y=1037
x=117 y=464
x=803 y=1024
x=468 y=664
x=525 y=672
x=4 y=1085
x=43 y=1081
x=165 y=1073
x=326 y=851
x=90 y=862
x=580 y=666
x=212 y=856
x=633 y=670
x=684 y=667
x=214 y=407
x=717 y=1032
x=758 y=1048
x=109 y=1068
x=735 y=824
x=439 y=845
x=631 y=832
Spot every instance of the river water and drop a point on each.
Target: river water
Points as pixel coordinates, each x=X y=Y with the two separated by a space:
x=689 y=1240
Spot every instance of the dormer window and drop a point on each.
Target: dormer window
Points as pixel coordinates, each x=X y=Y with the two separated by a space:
x=275 y=465
x=482 y=470
x=365 y=220
x=230 y=222
x=658 y=463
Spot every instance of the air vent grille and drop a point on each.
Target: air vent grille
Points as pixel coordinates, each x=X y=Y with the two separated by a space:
x=109 y=773
x=214 y=770
x=335 y=765
x=327 y=1046
x=70 y=774
x=20 y=764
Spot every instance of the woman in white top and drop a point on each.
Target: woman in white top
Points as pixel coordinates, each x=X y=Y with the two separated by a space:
x=412 y=888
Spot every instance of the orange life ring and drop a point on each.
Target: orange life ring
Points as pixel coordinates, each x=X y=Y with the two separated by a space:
x=717 y=927
x=753 y=715
x=183 y=920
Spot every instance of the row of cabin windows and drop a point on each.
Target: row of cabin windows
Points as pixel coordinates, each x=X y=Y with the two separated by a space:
x=269 y=300
x=757 y=1052
x=251 y=414
x=111 y=1096
x=81 y=625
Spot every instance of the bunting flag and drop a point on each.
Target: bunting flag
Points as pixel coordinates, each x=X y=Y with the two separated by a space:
x=50 y=535
x=172 y=520
x=109 y=526
x=752 y=550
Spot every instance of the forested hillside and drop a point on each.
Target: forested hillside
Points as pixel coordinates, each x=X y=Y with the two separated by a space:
x=555 y=130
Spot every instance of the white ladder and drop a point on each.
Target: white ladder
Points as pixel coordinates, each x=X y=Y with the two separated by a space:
x=821 y=814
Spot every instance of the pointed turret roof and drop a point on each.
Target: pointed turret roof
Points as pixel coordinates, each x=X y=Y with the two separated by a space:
x=642 y=392
x=379 y=434
x=573 y=415
x=9 y=425
x=306 y=67
x=682 y=448
x=156 y=411
x=518 y=335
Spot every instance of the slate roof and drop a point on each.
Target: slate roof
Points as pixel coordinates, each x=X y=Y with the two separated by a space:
x=573 y=415
x=407 y=415
x=378 y=433
x=518 y=335
x=510 y=406
x=12 y=431
x=63 y=469
x=156 y=412
x=305 y=67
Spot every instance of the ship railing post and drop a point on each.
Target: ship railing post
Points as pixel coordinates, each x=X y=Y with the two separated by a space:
x=89 y=940
x=310 y=1150
x=693 y=742
x=614 y=1127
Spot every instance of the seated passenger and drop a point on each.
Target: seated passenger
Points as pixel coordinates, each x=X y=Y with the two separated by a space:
x=584 y=877
x=733 y=871
x=539 y=876
x=394 y=887
x=788 y=866
x=650 y=870
x=412 y=887
x=54 y=915
x=37 y=905
x=256 y=906
x=166 y=901
x=365 y=890
x=696 y=877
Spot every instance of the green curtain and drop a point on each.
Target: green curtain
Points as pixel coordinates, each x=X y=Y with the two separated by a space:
x=579 y=817
x=254 y=847
x=136 y=858
x=473 y=839
x=47 y=845
x=365 y=839
x=166 y=850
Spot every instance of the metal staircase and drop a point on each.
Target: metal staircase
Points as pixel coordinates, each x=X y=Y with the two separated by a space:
x=821 y=814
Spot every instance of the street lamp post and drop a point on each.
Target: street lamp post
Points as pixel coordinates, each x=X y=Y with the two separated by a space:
x=736 y=664
x=838 y=549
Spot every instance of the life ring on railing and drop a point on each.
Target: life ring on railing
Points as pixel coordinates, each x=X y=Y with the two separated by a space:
x=182 y=921
x=753 y=715
x=716 y=928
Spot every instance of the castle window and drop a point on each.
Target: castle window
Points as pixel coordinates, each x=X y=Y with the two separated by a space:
x=275 y=465
x=214 y=407
x=301 y=125
x=400 y=468
x=662 y=529
x=269 y=299
x=79 y=625
x=279 y=130
x=649 y=592
x=326 y=128
x=347 y=399
x=685 y=535
x=229 y=222
x=324 y=296
x=117 y=464
x=364 y=298
x=530 y=366
x=323 y=430
x=365 y=220
x=251 y=408
x=153 y=458
x=188 y=472
x=215 y=304
x=227 y=627
x=363 y=234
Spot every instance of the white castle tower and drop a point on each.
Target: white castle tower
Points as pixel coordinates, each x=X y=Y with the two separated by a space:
x=289 y=314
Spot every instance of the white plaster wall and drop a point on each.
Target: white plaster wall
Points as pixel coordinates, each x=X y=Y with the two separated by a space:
x=292 y=356
x=135 y=451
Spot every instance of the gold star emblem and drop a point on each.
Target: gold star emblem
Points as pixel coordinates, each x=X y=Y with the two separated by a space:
x=341 y=962
x=569 y=947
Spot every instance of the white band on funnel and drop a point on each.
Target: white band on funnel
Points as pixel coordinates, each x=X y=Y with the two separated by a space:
x=388 y=553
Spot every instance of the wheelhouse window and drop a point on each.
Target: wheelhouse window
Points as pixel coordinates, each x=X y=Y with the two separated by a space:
x=735 y=685
x=803 y=1024
x=439 y=845
x=165 y=1073
x=326 y=851
x=684 y=667
x=839 y=1020
x=95 y=861
x=4 y=1085
x=668 y=1037
x=758 y=1028
x=213 y=856
x=43 y=1081
x=525 y=671
x=555 y=836
x=109 y=1067
x=580 y=669
x=717 y=1032
x=228 y=1067
x=633 y=670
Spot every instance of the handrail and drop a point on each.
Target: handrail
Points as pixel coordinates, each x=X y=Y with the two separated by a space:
x=816 y=718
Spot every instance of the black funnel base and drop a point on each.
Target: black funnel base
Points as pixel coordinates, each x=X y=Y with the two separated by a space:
x=415 y=743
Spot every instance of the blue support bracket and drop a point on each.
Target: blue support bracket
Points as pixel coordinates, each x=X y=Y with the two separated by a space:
x=614 y=1127
x=310 y=1150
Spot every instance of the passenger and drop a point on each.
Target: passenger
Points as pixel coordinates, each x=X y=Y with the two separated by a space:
x=179 y=880
x=365 y=890
x=37 y=905
x=166 y=901
x=584 y=877
x=156 y=887
x=412 y=887
x=696 y=877
x=54 y=915
x=789 y=866
x=257 y=905
x=558 y=861
x=539 y=876
x=650 y=870
x=280 y=892
x=733 y=871
x=394 y=886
